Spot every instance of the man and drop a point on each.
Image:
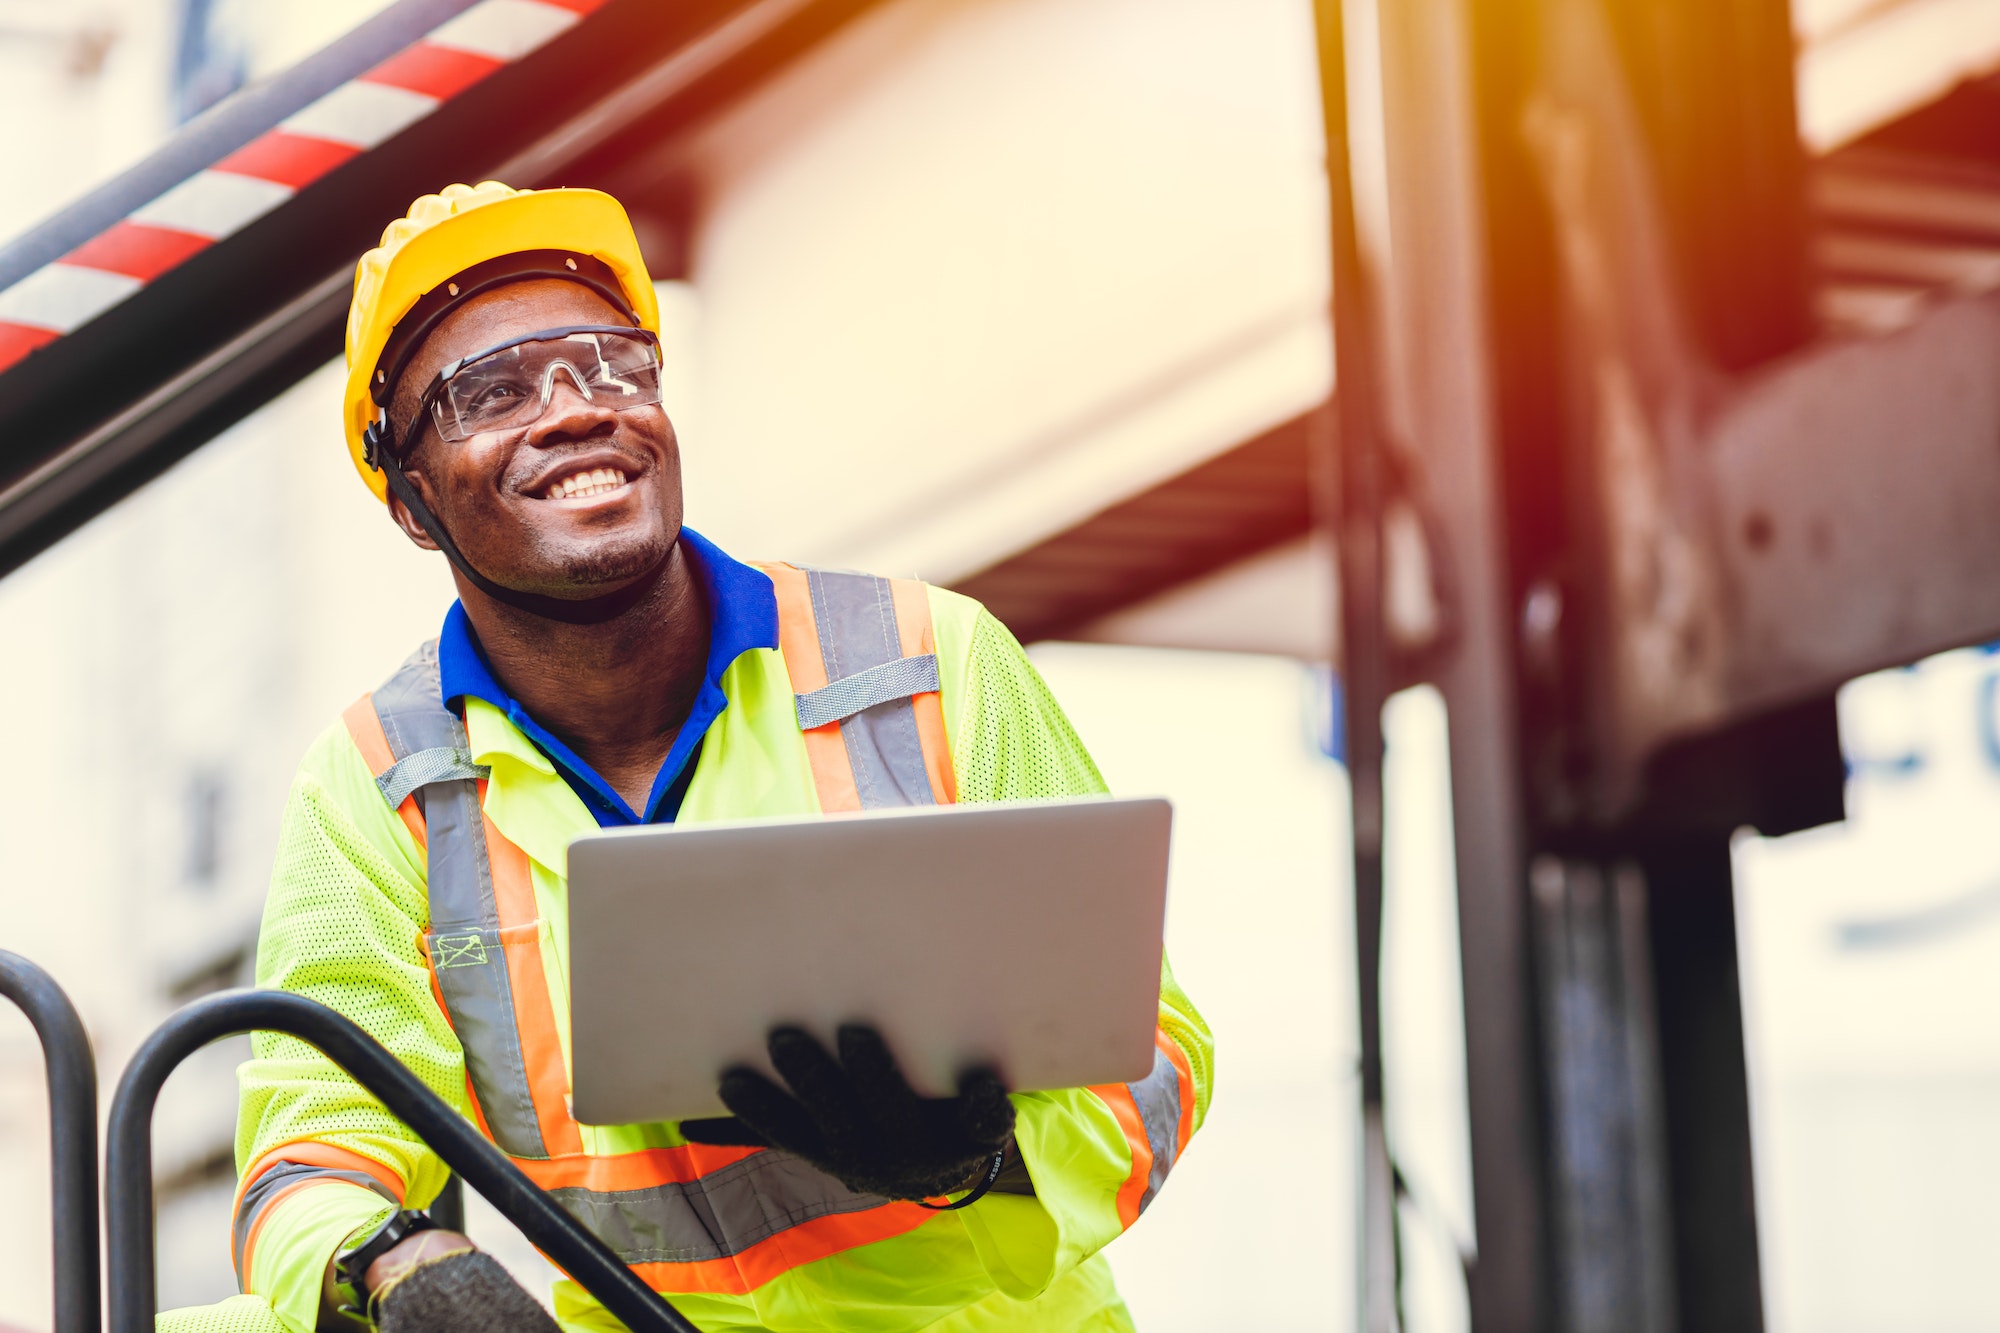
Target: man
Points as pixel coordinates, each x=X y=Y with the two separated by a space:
x=607 y=666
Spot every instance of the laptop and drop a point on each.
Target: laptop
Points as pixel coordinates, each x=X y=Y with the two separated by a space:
x=1025 y=936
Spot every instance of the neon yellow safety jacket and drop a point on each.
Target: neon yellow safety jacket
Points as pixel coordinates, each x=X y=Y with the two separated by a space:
x=419 y=889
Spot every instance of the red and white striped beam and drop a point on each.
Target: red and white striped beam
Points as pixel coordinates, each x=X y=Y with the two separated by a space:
x=63 y=296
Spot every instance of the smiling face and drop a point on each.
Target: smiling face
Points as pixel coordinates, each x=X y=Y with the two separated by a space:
x=577 y=504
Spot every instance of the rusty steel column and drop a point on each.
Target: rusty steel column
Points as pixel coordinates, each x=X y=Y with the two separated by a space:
x=1595 y=226
x=1437 y=330
x=1352 y=473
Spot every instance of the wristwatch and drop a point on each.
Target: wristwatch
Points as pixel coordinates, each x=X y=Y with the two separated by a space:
x=351 y=1268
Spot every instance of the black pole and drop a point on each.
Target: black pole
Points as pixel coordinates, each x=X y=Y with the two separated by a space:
x=129 y=1164
x=1364 y=667
x=72 y=1075
x=448 y=1209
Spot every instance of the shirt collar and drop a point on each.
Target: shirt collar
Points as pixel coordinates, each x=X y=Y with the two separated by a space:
x=743 y=613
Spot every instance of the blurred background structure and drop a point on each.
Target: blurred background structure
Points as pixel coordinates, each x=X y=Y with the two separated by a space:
x=1685 y=384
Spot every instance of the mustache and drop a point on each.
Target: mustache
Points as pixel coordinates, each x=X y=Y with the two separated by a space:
x=531 y=467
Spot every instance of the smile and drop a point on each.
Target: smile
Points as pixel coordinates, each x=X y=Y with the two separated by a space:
x=582 y=485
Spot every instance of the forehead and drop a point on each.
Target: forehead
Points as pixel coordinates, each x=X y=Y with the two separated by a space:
x=509 y=312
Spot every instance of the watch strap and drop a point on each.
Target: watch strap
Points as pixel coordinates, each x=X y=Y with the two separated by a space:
x=353 y=1264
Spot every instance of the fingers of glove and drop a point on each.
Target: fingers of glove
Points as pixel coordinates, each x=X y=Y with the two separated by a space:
x=818 y=1082
x=894 y=1111
x=462 y=1293
x=940 y=1178
x=770 y=1112
x=985 y=1112
x=723 y=1131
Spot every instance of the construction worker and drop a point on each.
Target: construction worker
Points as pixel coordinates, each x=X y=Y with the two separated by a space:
x=605 y=665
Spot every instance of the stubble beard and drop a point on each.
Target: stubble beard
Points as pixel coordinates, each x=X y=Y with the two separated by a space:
x=601 y=567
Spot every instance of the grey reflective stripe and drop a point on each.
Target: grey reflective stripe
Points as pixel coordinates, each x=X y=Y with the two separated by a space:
x=849 y=695
x=411 y=707
x=265 y=1189
x=464 y=937
x=723 y=1213
x=1158 y=1097
x=425 y=767
x=856 y=616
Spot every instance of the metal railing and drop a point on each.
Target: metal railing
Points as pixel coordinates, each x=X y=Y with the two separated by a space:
x=72 y=1082
x=129 y=1154
x=72 y=1075
x=129 y=1163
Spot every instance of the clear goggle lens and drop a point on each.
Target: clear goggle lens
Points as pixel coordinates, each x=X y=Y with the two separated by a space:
x=511 y=387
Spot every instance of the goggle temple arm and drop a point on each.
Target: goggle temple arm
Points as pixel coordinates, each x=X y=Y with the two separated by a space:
x=399 y=486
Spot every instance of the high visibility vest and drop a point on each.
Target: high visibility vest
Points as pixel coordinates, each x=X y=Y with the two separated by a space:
x=863 y=665
x=730 y=1229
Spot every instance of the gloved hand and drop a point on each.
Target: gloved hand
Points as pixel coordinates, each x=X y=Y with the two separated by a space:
x=466 y=1292
x=858 y=1120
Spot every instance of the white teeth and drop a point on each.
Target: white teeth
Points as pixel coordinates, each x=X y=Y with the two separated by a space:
x=594 y=482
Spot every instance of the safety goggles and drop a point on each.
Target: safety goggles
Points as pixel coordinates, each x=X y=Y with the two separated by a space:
x=509 y=387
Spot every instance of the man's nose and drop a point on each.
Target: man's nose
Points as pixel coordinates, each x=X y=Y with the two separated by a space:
x=568 y=406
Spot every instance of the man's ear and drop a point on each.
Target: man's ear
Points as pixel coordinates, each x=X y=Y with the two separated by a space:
x=404 y=519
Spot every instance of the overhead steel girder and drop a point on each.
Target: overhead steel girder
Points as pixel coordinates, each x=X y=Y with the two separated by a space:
x=1759 y=538
x=1855 y=491
x=1228 y=508
x=89 y=416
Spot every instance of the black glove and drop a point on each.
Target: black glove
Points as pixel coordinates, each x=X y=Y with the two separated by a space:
x=468 y=1292
x=858 y=1120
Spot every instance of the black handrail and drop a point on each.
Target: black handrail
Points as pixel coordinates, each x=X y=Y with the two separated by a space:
x=129 y=1166
x=448 y=1208
x=72 y=1137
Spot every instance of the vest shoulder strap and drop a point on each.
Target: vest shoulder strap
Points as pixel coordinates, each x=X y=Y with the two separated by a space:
x=862 y=658
x=426 y=739
x=423 y=765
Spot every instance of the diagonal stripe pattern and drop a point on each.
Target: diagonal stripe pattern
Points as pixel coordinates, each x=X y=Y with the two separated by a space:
x=367 y=111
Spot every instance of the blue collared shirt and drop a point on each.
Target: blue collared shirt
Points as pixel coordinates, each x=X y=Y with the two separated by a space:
x=743 y=612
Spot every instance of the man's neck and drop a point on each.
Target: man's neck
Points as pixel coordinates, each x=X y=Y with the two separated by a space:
x=616 y=692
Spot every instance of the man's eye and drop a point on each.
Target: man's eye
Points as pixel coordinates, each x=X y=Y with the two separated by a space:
x=496 y=397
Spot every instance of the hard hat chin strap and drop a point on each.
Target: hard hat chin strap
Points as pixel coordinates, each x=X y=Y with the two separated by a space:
x=578 y=611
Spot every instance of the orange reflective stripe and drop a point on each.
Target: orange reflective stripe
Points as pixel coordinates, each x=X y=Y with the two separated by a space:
x=798 y=639
x=300 y=1152
x=1118 y=1097
x=913 y=627
x=805 y=1243
x=833 y=775
x=270 y=1208
x=364 y=724
x=534 y=1012
x=1147 y=1150
x=798 y=632
x=311 y=1152
x=633 y=1170
x=306 y=1152
x=794 y=1243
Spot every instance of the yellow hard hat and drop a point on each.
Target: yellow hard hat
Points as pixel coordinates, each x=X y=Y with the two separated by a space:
x=459 y=228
